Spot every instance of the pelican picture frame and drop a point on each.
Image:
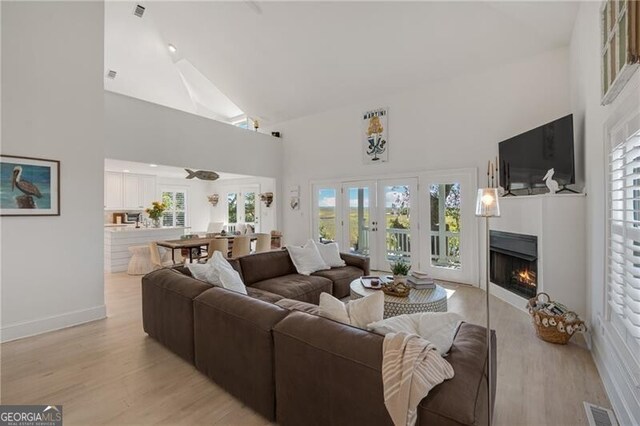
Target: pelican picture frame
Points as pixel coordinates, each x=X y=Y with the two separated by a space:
x=29 y=186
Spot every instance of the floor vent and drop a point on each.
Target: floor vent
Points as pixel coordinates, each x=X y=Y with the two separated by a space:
x=139 y=11
x=599 y=416
x=111 y=74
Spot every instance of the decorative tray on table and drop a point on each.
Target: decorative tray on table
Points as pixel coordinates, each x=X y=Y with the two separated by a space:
x=372 y=282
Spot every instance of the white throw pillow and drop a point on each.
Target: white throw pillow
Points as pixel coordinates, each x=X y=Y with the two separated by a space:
x=330 y=254
x=199 y=271
x=307 y=259
x=439 y=328
x=358 y=313
x=222 y=271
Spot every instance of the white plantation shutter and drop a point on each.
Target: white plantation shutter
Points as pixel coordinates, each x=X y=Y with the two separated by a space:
x=623 y=274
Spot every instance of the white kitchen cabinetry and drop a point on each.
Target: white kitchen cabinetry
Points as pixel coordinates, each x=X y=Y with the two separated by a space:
x=113 y=191
x=129 y=191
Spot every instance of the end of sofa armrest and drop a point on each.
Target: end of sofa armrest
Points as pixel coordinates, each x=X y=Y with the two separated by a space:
x=358 y=261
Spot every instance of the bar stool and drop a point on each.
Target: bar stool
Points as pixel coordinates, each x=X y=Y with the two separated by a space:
x=140 y=262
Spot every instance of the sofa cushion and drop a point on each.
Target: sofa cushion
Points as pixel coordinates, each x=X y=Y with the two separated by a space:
x=296 y=305
x=264 y=266
x=265 y=296
x=297 y=287
x=341 y=278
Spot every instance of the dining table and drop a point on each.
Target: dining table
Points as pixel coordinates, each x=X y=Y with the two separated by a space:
x=197 y=242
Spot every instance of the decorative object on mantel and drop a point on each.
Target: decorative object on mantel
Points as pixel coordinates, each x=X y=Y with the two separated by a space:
x=375 y=132
x=29 y=186
x=294 y=197
x=267 y=198
x=213 y=199
x=487 y=206
x=620 y=45
x=400 y=269
x=155 y=213
x=551 y=184
x=201 y=174
x=553 y=322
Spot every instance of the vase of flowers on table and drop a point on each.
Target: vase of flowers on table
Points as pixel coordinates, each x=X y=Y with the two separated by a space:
x=155 y=213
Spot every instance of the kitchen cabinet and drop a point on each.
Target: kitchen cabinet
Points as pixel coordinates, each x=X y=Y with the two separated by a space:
x=128 y=191
x=113 y=191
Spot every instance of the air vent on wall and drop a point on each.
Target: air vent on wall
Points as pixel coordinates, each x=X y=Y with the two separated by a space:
x=139 y=11
x=111 y=74
x=599 y=416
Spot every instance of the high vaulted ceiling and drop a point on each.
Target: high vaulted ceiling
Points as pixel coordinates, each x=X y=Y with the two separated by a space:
x=281 y=60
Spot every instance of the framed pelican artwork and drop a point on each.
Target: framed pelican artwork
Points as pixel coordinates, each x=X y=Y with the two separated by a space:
x=29 y=186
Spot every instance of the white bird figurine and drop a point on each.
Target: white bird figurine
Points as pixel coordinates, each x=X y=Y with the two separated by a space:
x=551 y=184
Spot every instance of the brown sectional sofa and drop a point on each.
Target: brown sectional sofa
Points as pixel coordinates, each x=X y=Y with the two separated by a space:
x=292 y=366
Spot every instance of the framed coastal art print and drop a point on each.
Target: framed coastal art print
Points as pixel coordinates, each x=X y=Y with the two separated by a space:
x=29 y=186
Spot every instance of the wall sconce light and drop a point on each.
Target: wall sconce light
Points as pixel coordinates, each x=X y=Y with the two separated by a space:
x=213 y=199
x=267 y=198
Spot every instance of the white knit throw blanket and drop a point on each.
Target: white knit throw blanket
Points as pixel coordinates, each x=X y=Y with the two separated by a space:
x=411 y=367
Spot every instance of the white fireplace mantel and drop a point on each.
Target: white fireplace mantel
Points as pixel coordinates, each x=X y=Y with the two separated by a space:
x=559 y=223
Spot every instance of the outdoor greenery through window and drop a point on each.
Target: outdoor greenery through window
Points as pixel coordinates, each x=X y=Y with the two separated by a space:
x=250 y=207
x=397 y=220
x=232 y=207
x=445 y=225
x=327 y=214
x=176 y=213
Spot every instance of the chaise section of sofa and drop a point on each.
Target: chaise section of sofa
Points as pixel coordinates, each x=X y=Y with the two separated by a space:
x=345 y=385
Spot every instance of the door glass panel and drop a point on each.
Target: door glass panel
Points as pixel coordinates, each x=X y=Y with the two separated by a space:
x=232 y=207
x=327 y=212
x=397 y=222
x=445 y=225
x=250 y=207
x=359 y=214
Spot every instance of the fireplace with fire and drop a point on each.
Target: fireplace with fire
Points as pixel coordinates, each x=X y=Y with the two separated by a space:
x=514 y=262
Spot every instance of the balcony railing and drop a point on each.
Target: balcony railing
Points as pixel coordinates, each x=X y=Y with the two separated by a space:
x=444 y=247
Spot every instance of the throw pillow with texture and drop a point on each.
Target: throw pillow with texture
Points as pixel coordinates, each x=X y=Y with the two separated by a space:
x=228 y=277
x=199 y=271
x=307 y=259
x=439 y=328
x=358 y=313
x=330 y=254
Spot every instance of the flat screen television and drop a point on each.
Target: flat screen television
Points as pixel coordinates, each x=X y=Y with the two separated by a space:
x=526 y=158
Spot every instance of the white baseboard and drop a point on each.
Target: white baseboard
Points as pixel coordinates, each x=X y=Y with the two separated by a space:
x=42 y=325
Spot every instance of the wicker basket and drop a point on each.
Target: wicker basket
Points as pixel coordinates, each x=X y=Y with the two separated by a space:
x=553 y=328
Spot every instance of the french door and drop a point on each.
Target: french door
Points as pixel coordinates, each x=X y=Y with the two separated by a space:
x=242 y=207
x=426 y=221
x=448 y=231
x=369 y=218
x=397 y=226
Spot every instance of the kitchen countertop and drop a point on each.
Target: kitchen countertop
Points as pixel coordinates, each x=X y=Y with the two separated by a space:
x=142 y=228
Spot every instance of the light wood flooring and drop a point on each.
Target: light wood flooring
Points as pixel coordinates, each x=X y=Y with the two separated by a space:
x=110 y=372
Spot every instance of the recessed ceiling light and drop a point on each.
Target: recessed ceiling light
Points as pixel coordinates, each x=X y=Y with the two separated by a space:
x=172 y=48
x=153 y=165
x=126 y=170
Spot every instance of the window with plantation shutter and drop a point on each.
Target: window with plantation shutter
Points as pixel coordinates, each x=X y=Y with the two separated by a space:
x=623 y=272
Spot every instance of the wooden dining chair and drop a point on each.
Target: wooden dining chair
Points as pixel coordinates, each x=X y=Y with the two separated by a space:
x=263 y=243
x=241 y=246
x=218 y=244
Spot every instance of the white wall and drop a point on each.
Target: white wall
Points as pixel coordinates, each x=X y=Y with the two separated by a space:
x=52 y=97
x=198 y=206
x=450 y=124
x=591 y=118
x=268 y=215
x=140 y=131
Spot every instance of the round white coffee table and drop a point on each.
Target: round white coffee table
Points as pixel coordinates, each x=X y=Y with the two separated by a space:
x=432 y=300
